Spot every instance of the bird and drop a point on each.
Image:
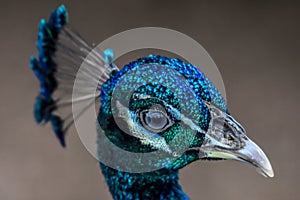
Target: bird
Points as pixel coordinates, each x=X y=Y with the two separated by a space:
x=175 y=111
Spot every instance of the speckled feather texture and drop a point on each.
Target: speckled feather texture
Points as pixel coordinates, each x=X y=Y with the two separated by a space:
x=160 y=184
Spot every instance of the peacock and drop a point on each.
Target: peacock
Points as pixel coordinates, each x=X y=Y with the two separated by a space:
x=155 y=104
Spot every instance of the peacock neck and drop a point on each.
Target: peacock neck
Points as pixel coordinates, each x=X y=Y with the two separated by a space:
x=160 y=184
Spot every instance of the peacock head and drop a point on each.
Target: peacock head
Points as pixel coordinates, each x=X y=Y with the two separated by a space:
x=165 y=105
x=156 y=105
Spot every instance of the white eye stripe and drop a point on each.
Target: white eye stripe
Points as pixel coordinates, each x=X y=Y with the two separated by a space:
x=166 y=107
x=174 y=114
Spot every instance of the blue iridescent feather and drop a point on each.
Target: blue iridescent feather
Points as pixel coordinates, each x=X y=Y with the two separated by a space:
x=201 y=85
x=44 y=68
x=164 y=182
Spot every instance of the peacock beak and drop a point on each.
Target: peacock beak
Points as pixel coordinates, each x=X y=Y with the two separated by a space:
x=250 y=153
x=226 y=139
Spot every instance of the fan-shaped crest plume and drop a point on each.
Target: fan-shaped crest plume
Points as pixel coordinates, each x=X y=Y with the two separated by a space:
x=60 y=53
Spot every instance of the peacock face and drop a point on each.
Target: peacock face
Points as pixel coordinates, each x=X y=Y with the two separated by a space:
x=153 y=106
x=158 y=103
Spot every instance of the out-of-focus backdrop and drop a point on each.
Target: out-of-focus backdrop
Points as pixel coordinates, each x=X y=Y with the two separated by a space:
x=256 y=46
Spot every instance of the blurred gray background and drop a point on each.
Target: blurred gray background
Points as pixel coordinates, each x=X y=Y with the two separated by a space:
x=256 y=46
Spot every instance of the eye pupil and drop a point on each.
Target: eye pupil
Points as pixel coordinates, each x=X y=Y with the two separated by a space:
x=156 y=120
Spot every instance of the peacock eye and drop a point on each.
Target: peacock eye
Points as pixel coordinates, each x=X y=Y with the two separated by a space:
x=154 y=120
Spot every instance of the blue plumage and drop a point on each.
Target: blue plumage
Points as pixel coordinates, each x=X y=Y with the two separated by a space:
x=161 y=111
x=165 y=181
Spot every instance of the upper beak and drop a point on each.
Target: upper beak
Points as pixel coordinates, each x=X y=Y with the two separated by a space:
x=226 y=139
